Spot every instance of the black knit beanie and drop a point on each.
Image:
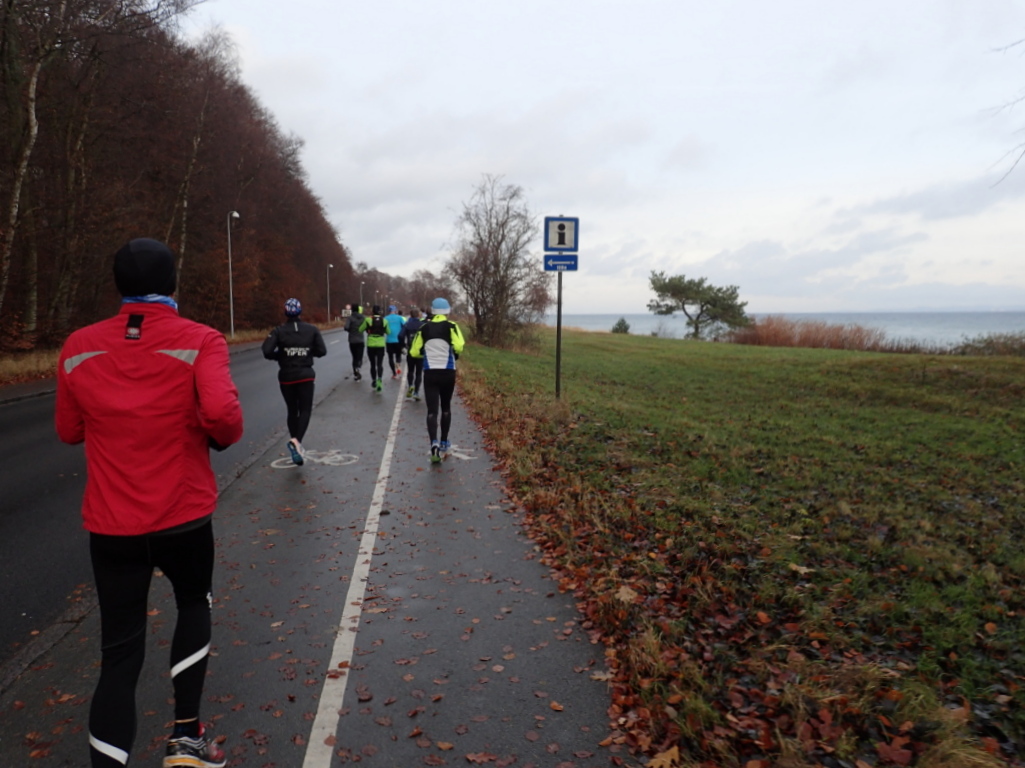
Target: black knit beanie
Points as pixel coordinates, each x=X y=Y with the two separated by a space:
x=144 y=266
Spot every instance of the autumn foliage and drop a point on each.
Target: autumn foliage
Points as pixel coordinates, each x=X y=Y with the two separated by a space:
x=792 y=557
x=114 y=127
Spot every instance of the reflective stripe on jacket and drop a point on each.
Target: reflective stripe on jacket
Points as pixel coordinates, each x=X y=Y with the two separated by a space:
x=146 y=390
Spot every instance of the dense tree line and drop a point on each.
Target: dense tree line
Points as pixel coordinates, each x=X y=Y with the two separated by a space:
x=112 y=128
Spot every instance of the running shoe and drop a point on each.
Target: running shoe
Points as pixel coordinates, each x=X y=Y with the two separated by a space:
x=357 y=375
x=380 y=386
x=416 y=395
x=296 y=450
x=435 y=453
x=198 y=752
x=395 y=375
x=409 y=393
x=398 y=372
x=446 y=448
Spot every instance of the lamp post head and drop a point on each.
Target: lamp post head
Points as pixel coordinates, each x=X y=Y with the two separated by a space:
x=234 y=214
x=330 y=266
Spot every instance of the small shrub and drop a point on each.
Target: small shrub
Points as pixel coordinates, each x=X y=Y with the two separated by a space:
x=1012 y=344
x=621 y=326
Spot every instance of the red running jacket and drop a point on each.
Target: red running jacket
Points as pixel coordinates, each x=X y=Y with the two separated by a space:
x=146 y=390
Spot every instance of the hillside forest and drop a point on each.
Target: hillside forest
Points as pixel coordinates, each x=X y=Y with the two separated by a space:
x=114 y=127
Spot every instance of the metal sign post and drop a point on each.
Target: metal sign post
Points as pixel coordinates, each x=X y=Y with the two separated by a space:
x=558 y=343
x=561 y=236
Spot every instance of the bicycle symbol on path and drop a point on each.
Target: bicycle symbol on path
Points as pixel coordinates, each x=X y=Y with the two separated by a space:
x=332 y=458
x=455 y=452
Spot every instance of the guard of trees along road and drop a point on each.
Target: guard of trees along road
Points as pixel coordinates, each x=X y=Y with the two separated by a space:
x=116 y=127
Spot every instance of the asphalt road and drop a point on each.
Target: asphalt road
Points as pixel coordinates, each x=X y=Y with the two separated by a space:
x=369 y=607
x=44 y=558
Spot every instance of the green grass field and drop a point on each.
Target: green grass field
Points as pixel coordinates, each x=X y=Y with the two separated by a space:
x=794 y=557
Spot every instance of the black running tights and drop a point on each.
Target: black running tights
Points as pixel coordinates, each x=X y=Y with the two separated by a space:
x=376 y=357
x=356 y=347
x=122 y=568
x=438 y=387
x=299 y=401
x=414 y=371
x=394 y=356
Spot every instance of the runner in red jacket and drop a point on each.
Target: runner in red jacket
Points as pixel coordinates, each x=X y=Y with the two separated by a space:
x=149 y=393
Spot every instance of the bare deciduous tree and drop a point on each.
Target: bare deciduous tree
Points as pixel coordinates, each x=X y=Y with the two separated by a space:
x=424 y=286
x=504 y=287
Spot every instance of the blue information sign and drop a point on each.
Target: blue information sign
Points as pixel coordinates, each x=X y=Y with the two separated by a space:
x=561 y=234
x=560 y=262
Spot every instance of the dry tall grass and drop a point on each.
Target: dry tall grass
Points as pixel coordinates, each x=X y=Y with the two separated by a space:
x=16 y=367
x=776 y=331
x=28 y=366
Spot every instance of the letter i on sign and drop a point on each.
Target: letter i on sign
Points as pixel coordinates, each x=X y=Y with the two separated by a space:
x=561 y=234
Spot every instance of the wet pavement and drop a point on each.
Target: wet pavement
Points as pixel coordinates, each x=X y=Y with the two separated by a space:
x=369 y=607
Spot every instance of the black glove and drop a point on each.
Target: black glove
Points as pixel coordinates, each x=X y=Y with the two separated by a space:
x=215 y=445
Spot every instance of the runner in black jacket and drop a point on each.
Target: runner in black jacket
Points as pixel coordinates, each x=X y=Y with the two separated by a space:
x=357 y=341
x=294 y=344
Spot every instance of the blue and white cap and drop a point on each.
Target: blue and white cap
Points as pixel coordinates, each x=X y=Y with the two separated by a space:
x=293 y=308
x=440 y=306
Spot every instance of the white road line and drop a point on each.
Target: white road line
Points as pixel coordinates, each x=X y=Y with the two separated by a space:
x=325 y=726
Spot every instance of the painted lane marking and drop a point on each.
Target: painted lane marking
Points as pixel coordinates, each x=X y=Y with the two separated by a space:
x=332 y=696
x=332 y=458
x=455 y=452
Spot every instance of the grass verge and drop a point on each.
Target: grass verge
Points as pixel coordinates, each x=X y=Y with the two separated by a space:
x=794 y=557
x=36 y=364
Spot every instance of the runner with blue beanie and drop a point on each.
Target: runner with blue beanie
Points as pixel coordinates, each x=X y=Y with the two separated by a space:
x=439 y=342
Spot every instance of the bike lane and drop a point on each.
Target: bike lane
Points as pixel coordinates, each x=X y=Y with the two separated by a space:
x=369 y=607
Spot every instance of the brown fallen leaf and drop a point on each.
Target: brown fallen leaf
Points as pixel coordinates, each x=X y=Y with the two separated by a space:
x=668 y=759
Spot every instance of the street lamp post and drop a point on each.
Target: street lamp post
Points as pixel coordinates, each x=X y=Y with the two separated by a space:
x=231 y=295
x=328 y=272
x=361 y=295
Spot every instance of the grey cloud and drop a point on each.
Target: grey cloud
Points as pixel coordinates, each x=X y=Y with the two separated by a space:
x=689 y=154
x=949 y=200
x=771 y=267
x=633 y=258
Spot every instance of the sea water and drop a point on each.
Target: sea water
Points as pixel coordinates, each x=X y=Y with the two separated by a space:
x=926 y=328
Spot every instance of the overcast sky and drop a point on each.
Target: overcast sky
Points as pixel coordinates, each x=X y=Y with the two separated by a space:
x=822 y=155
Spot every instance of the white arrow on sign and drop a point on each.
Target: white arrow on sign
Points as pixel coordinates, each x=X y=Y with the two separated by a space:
x=562 y=262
